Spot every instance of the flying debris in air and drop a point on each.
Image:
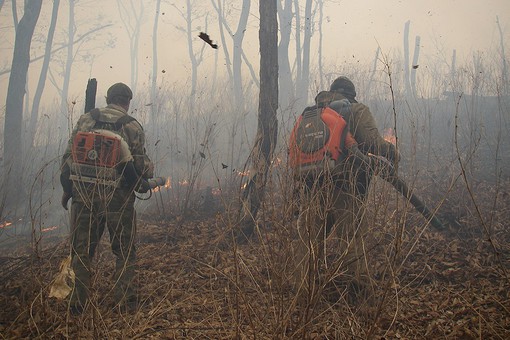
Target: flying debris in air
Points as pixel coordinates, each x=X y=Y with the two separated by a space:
x=205 y=37
x=201 y=154
x=415 y=66
x=224 y=166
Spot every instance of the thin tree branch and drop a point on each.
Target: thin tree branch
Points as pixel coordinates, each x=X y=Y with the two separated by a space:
x=61 y=47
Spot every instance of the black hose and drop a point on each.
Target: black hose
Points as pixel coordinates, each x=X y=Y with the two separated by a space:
x=402 y=187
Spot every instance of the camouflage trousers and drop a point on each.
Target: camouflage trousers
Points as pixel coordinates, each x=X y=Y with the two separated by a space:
x=331 y=236
x=88 y=222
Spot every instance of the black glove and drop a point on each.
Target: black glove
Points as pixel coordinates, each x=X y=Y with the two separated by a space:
x=157 y=182
x=66 y=196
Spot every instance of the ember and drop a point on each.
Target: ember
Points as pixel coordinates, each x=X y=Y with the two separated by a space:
x=44 y=230
x=389 y=136
x=5 y=224
x=243 y=173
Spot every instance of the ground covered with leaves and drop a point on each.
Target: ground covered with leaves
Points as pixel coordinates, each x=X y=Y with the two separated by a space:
x=195 y=282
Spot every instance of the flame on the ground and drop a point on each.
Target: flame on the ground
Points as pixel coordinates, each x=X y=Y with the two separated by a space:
x=243 y=173
x=389 y=136
x=44 y=230
x=184 y=182
x=216 y=191
x=167 y=185
x=5 y=224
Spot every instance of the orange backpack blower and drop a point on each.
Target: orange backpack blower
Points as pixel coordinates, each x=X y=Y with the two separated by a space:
x=318 y=141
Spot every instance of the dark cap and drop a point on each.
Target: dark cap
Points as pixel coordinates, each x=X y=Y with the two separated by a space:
x=118 y=90
x=345 y=86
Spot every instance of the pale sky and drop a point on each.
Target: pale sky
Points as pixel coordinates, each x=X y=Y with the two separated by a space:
x=466 y=25
x=352 y=31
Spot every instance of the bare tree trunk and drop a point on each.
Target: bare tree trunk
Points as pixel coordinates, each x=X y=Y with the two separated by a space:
x=504 y=71
x=287 y=93
x=236 y=54
x=453 y=71
x=321 y=18
x=15 y=20
x=372 y=73
x=70 y=58
x=154 y=80
x=298 y=67
x=195 y=58
x=414 y=68
x=44 y=71
x=267 y=131
x=235 y=74
x=13 y=155
x=219 y=10
x=304 y=81
x=2 y=4
x=132 y=19
x=195 y=61
x=407 y=86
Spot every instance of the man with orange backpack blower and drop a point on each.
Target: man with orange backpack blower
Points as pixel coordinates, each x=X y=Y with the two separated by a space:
x=329 y=149
x=104 y=164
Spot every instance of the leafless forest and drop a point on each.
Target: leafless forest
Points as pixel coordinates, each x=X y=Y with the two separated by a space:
x=196 y=280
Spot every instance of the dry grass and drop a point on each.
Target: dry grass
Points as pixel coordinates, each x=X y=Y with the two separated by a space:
x=194 y=283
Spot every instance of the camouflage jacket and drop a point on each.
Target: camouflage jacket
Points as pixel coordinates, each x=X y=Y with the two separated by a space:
x=132 y=132
x=362 y=125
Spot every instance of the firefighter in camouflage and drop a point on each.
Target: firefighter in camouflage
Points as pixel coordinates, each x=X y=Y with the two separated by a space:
x=95 y=207
x=334 y=205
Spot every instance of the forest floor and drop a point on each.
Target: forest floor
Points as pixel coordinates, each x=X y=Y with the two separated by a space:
x=194 y=283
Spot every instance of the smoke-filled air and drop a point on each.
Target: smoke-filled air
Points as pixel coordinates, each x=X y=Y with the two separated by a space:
x=274 y=169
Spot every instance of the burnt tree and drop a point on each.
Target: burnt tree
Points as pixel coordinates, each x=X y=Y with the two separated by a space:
x=267 y=129
x=12 y=160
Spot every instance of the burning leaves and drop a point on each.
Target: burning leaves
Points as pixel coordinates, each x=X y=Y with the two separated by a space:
x=389 y=136
x=45 y=230
x=5 y=224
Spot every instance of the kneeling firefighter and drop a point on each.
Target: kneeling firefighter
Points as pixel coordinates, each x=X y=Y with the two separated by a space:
x=104 y=164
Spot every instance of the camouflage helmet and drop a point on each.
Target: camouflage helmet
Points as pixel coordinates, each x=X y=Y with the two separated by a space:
x=118 y=90
x=345 y=86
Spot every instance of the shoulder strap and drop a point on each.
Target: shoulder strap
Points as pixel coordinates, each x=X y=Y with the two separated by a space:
x=94 y=113
x=123 y=121
x=343 y=137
